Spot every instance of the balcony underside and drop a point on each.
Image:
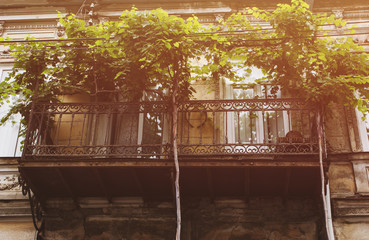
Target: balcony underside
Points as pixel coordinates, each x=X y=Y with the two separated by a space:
x=209 y=160
x=157 y=182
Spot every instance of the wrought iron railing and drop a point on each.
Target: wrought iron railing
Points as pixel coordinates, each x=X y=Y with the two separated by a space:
x=143 y=130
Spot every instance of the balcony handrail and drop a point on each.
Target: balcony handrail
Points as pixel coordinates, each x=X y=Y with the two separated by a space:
x=277 y=104
x=256 y=104
x=205 y=127
x=102 y=107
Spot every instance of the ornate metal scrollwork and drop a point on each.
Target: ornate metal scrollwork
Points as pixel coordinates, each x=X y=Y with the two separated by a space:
x=234 y=149
x=244 y=105
x=36 y=208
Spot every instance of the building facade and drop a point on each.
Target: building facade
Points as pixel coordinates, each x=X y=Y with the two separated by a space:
x=249 y=163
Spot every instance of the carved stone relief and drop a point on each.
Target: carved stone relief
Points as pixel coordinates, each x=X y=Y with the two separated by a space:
x=9 y=183
x=59 y=29
x=338 y=13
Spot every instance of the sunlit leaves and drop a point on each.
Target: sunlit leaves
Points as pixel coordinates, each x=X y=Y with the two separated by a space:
x=304 y=63
x=112 y=61
x=118 y=60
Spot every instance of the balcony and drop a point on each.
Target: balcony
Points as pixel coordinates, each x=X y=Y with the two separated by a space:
x=225 y=147
x=213 y=128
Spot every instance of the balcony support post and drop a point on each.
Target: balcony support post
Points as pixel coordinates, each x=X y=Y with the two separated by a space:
x=102 y=184
x=67 y=186
x=287 y=185
x=209 y=176
x=247 y=184
x=138 y=182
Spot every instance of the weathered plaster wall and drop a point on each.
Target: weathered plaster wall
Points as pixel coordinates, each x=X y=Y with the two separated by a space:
x=349 y=231
x=349 y=184
x=341 y=180
x=336 y=131
x=17 y=230
x=15 y=214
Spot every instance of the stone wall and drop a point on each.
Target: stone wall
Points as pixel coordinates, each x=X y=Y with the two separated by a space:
x=221 y=219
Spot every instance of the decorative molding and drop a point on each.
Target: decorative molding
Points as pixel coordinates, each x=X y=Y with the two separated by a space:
x=2 y=28
x=338 y=13
x=5 y=56
x=358 y=207
x=29 y=27
x=207 y=19
x=356 y=14
x=9 y=183
x=351 y=212
x=219 y=17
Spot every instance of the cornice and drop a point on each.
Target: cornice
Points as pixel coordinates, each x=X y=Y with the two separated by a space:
x=356 y=15
x=4 y=56
x=23 y=23
x=28 y=17
x=205 y=14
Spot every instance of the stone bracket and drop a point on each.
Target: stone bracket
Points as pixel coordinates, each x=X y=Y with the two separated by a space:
x=361 y=171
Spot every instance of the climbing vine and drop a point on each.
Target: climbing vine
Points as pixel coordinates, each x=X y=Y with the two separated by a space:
x=142 y=51
x=298 y=51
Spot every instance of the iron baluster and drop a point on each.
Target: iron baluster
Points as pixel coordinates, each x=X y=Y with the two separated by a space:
x=83 y=128
x=39 y=133
x=238 y=127
x=200 y=126
x=226 y=128
x=263 y=125
x=58 y=129
x=188 y=128
x=70 y=130
x=251 y=127
x=213 y=127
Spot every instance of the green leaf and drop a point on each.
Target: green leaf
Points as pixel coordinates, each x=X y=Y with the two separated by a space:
x=167 y=45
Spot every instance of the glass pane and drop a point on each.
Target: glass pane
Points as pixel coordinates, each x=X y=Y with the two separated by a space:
x=9 y=141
